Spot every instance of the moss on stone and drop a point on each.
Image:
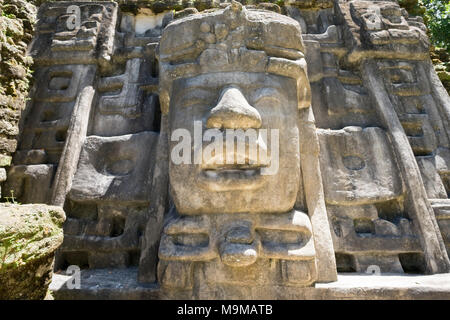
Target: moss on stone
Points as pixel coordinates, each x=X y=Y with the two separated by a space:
x=17 y=18
x=439 y=56
x=29 y=236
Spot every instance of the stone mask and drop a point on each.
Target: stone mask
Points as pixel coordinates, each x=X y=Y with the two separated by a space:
x=226 y=71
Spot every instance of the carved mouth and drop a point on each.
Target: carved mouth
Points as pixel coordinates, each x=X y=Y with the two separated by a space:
x=232 y=177
x=243 y=173
x=232 y=172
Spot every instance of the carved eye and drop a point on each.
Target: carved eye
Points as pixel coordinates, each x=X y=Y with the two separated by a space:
x=267 y=100
x=266 y=96
x=59 y=80
x=119 y=160
x=353 y=162
x=194 y=97
x=194 y=101
x=120 y=167
x=59 y=83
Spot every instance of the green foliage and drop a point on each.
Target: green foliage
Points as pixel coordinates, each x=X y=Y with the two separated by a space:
x=8 y=15
x=437 y=19
x=11 y=199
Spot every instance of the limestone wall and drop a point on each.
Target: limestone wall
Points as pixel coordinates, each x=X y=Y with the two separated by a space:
x=93 y=139
x=29 y=236
x=17 y=18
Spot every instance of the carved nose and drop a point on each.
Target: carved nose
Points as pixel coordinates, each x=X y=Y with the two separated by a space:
x=233 y=112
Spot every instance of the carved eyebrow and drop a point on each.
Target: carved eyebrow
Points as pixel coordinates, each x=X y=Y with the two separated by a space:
x=266 y=93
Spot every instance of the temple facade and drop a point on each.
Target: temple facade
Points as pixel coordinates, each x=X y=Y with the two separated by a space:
x=352 y=132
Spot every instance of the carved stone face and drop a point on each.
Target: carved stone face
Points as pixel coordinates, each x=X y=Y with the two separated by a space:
x=231 y=101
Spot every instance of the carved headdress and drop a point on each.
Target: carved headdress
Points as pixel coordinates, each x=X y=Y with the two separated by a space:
x=232 y=39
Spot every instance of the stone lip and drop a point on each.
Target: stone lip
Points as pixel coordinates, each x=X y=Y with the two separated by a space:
x=122 y=284
x=29 y=236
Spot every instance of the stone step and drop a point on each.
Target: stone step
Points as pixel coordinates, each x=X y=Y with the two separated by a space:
x=102 y=284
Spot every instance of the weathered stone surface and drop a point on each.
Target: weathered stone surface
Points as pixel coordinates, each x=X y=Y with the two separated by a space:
x=121 y=284
x=358 y=166
x=29 y=236
x=243 y=227
x=363 y=174
x=17 y=19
